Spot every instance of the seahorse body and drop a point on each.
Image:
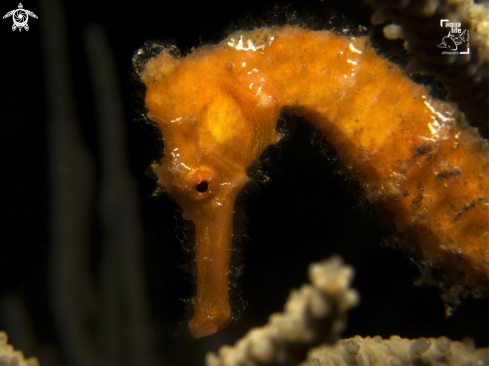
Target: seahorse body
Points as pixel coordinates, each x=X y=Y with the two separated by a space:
x=217 y=110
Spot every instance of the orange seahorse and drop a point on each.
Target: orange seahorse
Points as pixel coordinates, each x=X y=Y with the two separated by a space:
x=217 y=110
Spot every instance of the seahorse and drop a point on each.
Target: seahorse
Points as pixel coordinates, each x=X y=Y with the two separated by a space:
x=413 y=156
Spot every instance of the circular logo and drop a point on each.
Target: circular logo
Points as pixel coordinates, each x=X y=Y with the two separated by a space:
x=20 y=17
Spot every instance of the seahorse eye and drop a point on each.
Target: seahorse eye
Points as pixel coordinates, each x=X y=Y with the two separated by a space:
x=202 y=186
x=201 y=183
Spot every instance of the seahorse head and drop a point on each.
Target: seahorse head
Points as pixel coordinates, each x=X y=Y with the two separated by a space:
x=213 y=130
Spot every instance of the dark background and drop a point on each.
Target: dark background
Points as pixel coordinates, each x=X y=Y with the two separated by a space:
x=306 y=212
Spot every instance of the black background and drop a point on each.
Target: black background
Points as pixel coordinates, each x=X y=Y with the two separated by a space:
x=306 y=212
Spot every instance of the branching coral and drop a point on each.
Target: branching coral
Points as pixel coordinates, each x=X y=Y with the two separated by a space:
x=398 y=351
x=9 y=356
x=316 y=313
x=312 y=315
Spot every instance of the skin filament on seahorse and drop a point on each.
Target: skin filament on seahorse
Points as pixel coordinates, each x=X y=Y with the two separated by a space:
x=413 y=156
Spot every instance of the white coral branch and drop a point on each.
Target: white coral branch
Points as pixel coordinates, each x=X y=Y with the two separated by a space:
x=317 y=313
x=313 y=314
x=10 y=356
x=398 y=351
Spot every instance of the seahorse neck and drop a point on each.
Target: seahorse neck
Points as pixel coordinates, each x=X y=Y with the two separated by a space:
x=337 y=83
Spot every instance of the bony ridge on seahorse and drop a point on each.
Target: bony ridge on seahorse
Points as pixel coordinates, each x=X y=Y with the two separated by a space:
x=217 y=110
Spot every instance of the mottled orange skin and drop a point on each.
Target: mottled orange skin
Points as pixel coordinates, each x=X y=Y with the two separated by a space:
x=217 y=109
